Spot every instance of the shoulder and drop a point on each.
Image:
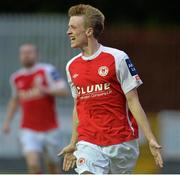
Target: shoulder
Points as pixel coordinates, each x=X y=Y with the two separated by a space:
x=50 y=71
x=16 y=74
x=71 y=61
x=45 y=66
x=116 y=53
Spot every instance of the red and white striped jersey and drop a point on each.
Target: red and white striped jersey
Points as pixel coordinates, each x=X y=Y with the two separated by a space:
x=99 y=84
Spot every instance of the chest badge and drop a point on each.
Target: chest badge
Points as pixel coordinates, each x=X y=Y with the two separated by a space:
x=103 y=71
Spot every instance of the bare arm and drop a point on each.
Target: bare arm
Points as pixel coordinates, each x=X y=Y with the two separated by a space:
x=59 y=88
x=69 y=158
x=140 y=116
x=11 y=109
x=62 y=92
x=74 y=136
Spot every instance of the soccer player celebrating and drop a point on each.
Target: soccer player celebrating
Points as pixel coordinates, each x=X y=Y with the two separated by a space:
x=34 y=87
x=107 y=110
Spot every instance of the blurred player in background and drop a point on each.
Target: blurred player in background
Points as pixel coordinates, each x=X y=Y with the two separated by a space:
x=34 y=88
x=107 y=110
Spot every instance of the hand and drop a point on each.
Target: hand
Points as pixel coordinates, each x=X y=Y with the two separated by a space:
x=69 y=161
x=155 y=151
x=69 y=158
x=6 y=128
x=42 y=89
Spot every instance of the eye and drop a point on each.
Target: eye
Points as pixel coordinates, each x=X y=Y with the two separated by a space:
x=73 y=27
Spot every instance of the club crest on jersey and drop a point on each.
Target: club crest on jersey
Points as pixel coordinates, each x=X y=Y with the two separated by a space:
x=103 y=71
x=81 y=161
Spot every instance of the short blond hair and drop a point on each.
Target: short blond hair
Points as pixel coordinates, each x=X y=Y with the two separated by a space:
x=93 y=17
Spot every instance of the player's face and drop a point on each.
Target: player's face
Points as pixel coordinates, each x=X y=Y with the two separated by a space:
x=28 y=55
x=77 y=32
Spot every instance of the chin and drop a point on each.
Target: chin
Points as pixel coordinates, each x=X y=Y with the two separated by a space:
x=28 y=65
x=74 y=46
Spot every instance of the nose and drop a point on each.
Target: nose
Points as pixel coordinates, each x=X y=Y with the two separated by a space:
x=68 y=31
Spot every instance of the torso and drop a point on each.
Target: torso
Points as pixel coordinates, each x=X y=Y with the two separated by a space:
x=104 y=118
x=38 y=111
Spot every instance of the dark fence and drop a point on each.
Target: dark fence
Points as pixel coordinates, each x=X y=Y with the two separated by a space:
x=156 y=54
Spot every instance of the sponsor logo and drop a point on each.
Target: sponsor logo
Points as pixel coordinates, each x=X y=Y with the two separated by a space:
x=103 y=71
x=93 y=88
x=131 y=67
x=30 y=94
x=92 y=91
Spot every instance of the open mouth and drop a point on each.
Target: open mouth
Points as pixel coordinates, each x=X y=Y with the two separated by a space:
x=72 y=38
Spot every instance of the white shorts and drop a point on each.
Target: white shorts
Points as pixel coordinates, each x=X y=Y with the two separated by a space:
x=41 y=141
x=115 y=159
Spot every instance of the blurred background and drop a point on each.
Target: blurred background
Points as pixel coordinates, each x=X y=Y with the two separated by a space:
x=149 y=31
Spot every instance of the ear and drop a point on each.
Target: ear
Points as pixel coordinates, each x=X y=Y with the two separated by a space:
x=89 y=32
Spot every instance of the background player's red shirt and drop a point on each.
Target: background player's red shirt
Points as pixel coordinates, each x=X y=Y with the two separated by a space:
x=38 y=111
x=99 y=84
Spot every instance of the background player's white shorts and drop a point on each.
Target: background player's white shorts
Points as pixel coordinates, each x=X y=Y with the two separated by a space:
x=115 y=159
x=41 y=141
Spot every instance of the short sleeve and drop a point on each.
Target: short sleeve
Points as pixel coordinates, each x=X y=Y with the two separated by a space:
x=55 y=80
x=72 y=86
x=127 y=74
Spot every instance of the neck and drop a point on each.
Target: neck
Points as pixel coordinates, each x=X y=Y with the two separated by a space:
x=29 y=66
x=91 y=48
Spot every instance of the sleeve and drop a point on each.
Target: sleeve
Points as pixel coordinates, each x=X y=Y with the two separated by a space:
x=72 y=86
x=54 y=78
x=13 y=87
x=128 y=74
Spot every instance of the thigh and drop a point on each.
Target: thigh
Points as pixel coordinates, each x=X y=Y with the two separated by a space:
x=52 y=144
x=31 y=141
x=33 y=158
x=90 y=159
x=125 y=157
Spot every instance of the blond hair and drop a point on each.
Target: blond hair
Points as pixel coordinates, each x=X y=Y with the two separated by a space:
x=93 y=17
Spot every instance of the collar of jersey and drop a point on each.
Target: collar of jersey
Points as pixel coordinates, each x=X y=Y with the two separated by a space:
x=29 y=70
x=94 y=55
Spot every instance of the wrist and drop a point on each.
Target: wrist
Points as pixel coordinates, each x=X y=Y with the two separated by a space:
x=44 y=90
x=151 y=139
x=73 y=143
x=149 y=135
x=48 y=91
